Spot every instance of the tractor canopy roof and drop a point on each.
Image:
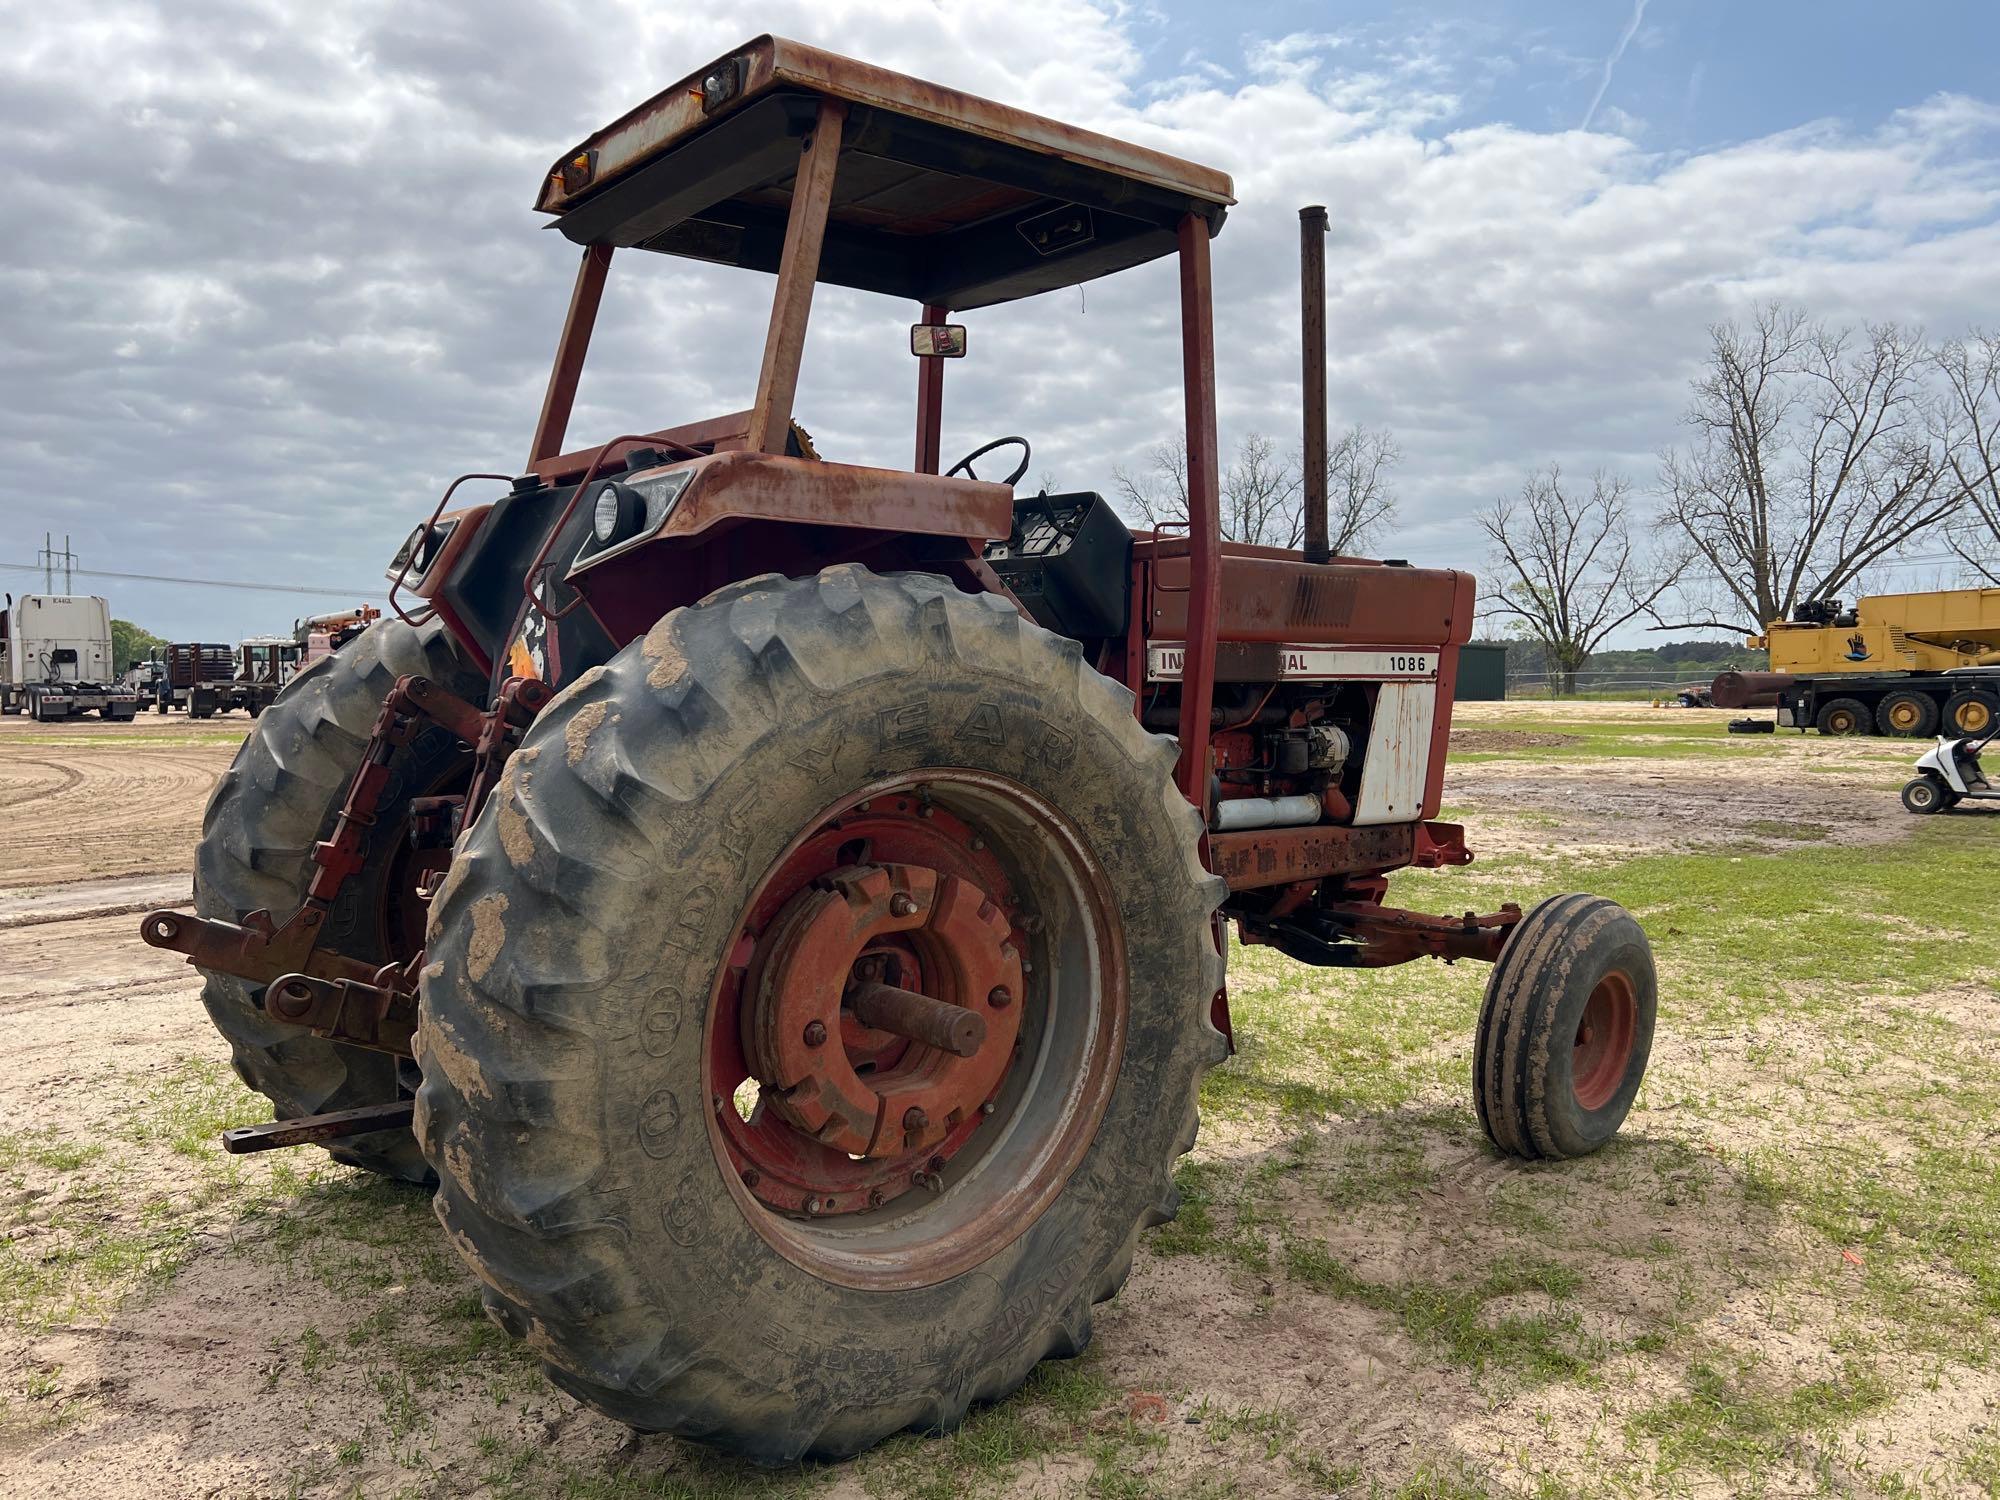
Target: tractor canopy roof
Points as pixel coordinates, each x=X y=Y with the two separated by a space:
x=939 y=196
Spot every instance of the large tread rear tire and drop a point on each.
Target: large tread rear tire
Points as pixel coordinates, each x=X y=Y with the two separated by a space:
x=280 y=795
x=573 y=949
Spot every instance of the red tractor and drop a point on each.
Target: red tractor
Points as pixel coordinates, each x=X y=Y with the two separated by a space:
x=782 y=904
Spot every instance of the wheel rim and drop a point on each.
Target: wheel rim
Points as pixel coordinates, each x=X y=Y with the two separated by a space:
x=1923 y=794
x=1904 y=715
x=1603 y=1043
x=1973 y=717
x=873 y=1159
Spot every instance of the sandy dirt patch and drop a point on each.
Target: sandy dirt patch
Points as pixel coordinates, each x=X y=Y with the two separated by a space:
x=89 y=800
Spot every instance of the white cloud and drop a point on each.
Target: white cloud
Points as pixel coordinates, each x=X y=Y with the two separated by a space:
x=275 y=278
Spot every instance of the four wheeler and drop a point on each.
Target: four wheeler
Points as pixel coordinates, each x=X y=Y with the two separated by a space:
x=1949 y=773
x=782 y=903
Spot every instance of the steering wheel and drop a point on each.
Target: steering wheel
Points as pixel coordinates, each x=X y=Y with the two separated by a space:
x=1021 y=468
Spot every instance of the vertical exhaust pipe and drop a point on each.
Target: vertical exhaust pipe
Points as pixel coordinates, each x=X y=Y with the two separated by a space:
x=1312 y=320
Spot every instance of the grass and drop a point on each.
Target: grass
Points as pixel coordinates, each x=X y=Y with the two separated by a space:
x=1739 y=1422
x=87 y=1235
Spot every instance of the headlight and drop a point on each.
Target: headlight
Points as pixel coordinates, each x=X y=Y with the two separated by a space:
x=414 y=557
x=625 y=513
x=616 y=512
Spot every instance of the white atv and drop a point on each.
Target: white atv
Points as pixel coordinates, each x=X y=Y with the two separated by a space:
x=1948 y=774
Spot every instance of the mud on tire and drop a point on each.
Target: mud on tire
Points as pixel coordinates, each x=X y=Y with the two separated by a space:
x=279 y=796
x=575 y=949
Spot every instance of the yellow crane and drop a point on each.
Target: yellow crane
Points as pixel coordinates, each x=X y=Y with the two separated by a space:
x=1900 y=664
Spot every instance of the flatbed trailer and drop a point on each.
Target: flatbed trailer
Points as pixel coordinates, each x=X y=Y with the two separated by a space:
x=1911 y=705
x=196 y=677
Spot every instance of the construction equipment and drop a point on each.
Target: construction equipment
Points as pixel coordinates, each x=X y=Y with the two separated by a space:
x=56 y=653
x=1950 y=773
x=319 y=636
x=788 y=897
x=1895 y=664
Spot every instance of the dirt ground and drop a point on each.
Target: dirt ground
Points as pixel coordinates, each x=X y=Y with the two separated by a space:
x=1359 y=1298
x=89 y=800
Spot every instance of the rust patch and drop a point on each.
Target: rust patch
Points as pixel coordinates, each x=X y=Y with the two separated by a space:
x=489 y=932
x=581 y=726
x=669 y=666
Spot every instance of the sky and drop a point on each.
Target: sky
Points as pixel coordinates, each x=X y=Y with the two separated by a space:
x=274 y=278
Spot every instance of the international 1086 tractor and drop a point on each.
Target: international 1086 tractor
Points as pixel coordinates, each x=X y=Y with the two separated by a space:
x=782 y=904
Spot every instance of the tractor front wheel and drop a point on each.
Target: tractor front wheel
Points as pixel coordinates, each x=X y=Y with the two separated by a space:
x=815 y=1013
x=1565 y=1030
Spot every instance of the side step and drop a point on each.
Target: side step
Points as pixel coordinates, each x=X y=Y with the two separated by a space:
x=309 y=1130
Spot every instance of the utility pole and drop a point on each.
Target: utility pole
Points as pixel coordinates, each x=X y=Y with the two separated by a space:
x=48 y=563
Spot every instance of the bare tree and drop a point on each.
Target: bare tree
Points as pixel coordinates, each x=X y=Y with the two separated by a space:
x=1566 y=571
x=1969 y=426
x=1263 y=497
x=1817 y=454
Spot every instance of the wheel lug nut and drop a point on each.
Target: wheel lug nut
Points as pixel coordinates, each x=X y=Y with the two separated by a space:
x=813 y=1206
x=1000 y=997
x=751 y=1177
x=914 y=1118
x=988 y=1107
x=902 y=904
x=815 y=1034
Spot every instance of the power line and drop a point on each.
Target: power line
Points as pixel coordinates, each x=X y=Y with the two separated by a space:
x=209 y=583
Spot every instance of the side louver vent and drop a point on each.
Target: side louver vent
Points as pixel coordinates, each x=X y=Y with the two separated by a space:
x=1323 y=599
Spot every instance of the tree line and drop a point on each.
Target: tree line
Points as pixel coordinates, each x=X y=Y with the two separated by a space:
x=1813 y=455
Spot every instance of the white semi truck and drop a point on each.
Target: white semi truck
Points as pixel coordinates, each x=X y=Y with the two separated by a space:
x=55 y=650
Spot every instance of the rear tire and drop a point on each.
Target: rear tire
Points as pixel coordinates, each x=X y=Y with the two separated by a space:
x=1907 y=715
x=1844 y=716
x=586 y=939
x=1565 y=1030
x=280 y=795
x=1970 y=714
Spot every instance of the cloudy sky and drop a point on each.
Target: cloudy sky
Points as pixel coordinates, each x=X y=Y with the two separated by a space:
x=273 y=276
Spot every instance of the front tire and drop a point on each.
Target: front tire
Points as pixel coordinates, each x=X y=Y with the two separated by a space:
x=1565 y=1030
x=1925 y=795
x=679 y=1255
x=280 y=795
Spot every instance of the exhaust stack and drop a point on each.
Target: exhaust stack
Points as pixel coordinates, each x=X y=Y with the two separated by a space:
x=1312 y=309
